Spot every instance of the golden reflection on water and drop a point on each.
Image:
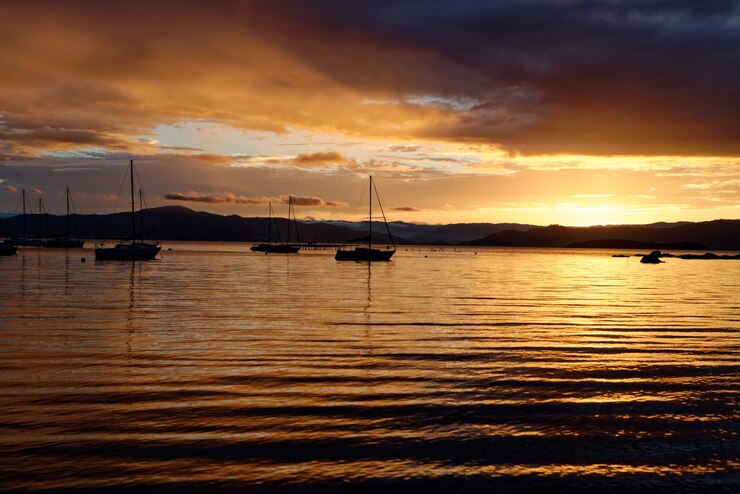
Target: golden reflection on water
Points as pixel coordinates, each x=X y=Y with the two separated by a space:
x=217 y=366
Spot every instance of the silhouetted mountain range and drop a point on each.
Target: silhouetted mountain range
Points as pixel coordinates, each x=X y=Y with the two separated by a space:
x=717 y=234
x=181 y=223
x=434 y=234
x=620 y=243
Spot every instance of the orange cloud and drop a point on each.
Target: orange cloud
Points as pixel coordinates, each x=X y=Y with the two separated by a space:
x=216 y=159
x=303 y=160
x=221 y=198
x=311 y=201
x=404 y=149
x=86 y=79
x=230 y=198
x=317 y=159
x=10 y=188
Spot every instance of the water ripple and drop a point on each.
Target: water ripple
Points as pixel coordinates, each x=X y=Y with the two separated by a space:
x=216 y=369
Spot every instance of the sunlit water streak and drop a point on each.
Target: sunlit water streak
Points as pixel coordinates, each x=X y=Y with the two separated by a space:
x=220 y=369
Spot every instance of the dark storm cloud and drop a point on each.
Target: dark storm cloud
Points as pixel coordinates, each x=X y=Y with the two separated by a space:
x=557 y=76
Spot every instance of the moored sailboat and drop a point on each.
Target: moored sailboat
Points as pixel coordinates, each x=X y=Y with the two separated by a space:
x=64 y=241
x=24 y=240
x=280 y=248
x=369 y=254
x=6 y=248
x=132 y=250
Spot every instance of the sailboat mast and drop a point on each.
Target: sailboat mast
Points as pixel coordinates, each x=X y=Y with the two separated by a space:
x=39 y=217
x=133 y=206
x=290 y=205
x=295 y=223
x=67 y=212
x=269 y=222
x=370 y=223
x=141 y=213
x=24 y=212
x=385 y=220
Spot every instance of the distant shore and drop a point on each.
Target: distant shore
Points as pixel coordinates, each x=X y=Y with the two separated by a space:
x=181 y=223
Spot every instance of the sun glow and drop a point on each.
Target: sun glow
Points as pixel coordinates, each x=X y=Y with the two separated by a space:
x=590 y=215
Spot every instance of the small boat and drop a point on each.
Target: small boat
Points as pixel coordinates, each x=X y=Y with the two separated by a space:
x=24 y=240
x=6 y=248
x=368 y=254
x=364 y=254
x=128 y=251
x=64 y=241
x=281 y=248
x=132 y=250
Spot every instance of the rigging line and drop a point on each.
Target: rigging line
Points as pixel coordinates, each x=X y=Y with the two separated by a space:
x=73 y=214
x=28 y=203
x=295 y=224
x=44 y=214
x=277 y=227
x=120 y=190
x=287 y=235
x=48 y=220
x=145 y=207
x=359 y=204
x=269 y=222
x=138 y=178
x=384 y=220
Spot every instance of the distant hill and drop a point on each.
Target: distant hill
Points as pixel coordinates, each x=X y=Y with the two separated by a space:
x=463 y=232
x=717 y=235
x=435 y=234
x=181 y=223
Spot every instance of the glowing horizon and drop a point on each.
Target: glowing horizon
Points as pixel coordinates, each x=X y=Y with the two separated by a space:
x=459 y=116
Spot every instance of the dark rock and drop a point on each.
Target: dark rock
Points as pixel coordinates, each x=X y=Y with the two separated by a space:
x=706 y=255
x=652 y=258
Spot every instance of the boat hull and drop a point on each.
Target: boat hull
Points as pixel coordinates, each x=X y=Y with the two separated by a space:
x=25 y=242
x=7 y=249
x=63 y=243
x=127 y=252
x=361 y=254
x=276 y=249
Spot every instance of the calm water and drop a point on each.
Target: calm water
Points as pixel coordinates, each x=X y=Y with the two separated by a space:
x=506 y=370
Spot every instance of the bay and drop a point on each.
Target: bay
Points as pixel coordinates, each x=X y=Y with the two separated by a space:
x=447 y=369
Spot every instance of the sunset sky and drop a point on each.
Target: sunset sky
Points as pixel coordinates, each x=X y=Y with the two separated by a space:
x=561 y=111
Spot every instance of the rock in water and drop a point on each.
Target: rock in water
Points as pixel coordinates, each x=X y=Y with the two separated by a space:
x=652 y=258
